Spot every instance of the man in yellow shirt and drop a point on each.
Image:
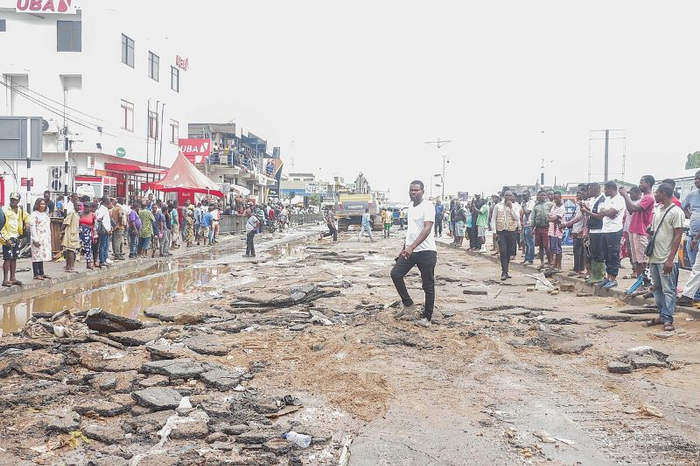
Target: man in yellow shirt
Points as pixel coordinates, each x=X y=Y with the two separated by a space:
x=16 y=223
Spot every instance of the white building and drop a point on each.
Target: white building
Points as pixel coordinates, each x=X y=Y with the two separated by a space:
x=110 y=73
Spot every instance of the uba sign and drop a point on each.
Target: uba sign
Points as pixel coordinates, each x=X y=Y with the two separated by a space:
x=196 y=150
x=45 y=6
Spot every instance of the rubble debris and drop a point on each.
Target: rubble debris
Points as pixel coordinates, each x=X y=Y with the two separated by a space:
x=544 y=436
x=105 y=322
x=175 y=368
x=157 y=398
x=137 y=337
x=476 y=291
x=296 y=297
x=206 y=344
x=559 y=343
x=64 y=423
x=103 y=433
x=617 y=367
x=612 y=317
x=651 y=411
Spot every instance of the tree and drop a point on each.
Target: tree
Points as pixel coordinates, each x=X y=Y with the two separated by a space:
x=693 y=161
x=315 y=199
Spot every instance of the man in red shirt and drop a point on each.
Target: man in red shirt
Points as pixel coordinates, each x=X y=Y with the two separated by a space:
x=673 y=185
x=642 y=216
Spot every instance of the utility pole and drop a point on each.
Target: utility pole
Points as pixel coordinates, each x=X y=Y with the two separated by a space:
x=607 y=159
x=620 y=134
x=29 y=164
x=445 y=160
x=66 y=148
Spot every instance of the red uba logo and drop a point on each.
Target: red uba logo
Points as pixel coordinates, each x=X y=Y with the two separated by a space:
x=43 y=6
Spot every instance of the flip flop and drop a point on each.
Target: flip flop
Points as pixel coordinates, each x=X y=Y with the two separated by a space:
x=668 y=327
x=17 y=282
x=653 y=322
x=7 y=284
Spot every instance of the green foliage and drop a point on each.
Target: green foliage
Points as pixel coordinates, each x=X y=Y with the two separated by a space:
x=693 y=161
x=315 y=199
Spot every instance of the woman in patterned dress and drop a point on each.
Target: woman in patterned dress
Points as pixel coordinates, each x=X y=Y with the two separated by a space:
x=87 y=224
x=41 y=238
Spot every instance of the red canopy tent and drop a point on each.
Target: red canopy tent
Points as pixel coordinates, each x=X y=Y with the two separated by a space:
x=184 y=178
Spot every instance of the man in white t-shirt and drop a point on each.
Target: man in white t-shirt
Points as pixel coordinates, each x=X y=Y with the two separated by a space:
x=102 y=217
x=420 y=250
x=611 y=212
x=251 y=227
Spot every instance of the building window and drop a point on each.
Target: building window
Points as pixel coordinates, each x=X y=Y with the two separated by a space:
x=174 y=79
x=174 y=132
x=127 y=51
x=153 y=66
x=152 y=125
x=3 y=25
x=69 y=36
x=127 y=116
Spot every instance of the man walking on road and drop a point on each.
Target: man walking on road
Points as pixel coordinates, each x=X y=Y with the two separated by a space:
x=420 y=250
x=251 y=227
x=366 y=226
x=505 y=222
x=668 y=230
x=439 y=214
x=330 y=221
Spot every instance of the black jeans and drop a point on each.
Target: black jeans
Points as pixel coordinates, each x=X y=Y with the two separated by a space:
x=332 y=231
x=611 y=251
x=579 y=254
x=249 y=245
x=425 y=260
x=506 y=247
x=438 y=225
x=38 y=268
x=596 y=247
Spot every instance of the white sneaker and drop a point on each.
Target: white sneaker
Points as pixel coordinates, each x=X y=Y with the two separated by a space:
x=425 y=323
x=110 y=261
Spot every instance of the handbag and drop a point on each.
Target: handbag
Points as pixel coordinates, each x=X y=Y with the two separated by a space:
x=101 y=230
x=649 y=250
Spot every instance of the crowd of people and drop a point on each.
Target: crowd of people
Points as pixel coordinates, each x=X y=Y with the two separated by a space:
x=644 y=225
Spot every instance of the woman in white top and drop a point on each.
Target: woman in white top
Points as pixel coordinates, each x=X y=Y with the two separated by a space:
x=41 y=239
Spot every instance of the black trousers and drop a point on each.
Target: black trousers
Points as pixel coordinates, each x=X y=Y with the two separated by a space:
x=38 y=268
x=579 y=254
x=596 y=247
x=506 y=247
x=332 y=231
x=425 y=260
x=438 y=225
x=249 y=244
x=611 y=251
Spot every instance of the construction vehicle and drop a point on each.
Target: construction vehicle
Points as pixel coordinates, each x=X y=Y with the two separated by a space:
x=349 y=209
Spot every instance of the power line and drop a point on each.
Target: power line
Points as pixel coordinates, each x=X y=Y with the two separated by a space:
x=55 y=101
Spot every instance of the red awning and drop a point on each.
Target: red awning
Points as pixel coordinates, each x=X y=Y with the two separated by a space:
x=183 y=177
x=132 y=168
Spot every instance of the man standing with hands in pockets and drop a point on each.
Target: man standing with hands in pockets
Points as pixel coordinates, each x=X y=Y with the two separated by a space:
x=420 y=250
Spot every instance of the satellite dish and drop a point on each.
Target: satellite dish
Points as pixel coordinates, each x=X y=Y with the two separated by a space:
x=44 y=125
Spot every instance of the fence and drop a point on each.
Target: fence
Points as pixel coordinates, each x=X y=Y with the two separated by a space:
x=236 y=223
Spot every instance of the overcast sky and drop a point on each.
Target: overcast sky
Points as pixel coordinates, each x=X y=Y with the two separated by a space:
x=361 y=86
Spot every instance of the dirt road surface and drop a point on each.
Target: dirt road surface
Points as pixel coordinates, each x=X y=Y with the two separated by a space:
x=506 y=375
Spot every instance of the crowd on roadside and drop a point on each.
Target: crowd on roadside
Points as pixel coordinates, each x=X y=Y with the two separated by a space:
x=644 y=225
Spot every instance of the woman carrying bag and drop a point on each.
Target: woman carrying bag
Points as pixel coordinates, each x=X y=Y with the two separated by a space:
x=41 y=238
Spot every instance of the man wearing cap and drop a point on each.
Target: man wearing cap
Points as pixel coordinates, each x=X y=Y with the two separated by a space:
x=16 y=222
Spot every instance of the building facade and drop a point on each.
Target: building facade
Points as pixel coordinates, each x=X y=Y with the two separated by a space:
x=110 y=86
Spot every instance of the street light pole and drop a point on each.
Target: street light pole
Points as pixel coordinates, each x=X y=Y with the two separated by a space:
x=439 y=143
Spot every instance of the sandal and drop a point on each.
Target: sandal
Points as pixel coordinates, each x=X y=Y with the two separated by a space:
x=629 y=277
x=653 y=322
x=38 y=277
x=16 y=282
x=46 y=277
x=668 y=327
x=7 y=284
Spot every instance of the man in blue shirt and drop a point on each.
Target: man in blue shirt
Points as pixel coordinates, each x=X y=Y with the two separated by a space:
x=691 y=206
x=439 y=213
x=366 y=226
x=204 y=229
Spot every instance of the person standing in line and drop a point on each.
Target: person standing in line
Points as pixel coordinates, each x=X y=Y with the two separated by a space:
x=87 y=226
x=166 y=239
x=453 y=218
x=578 y=233
x=611 y=232
x=505 y=222
x=401 y=219
x=539 y=219
x=439 y=214
x=175 y=226
x=388 y=218
x=460 y=224
x=41 y=238
x=70 y=240
x=16 y=223
x=205 y=228
x=251 y=227
x=50 y=206
x=189 y=226
x=556 y=232
x=668 y=231
x=640 y=220
x=495 y=199
x=528 y=234
x=104 y=230
x=198 y=222
x=365 y=226
x=134 y=228
x=146 y=232
x=215 y=217
x=118 y=219
x=330 y=222
x=419 y=250
x=672 y=182
x=691 y=207
x=595 y=230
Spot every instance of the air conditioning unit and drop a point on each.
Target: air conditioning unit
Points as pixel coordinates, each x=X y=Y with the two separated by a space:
x=57 y=179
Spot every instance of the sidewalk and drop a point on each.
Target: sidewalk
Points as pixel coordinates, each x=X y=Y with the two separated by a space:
x=56 y=270
x=567 y=266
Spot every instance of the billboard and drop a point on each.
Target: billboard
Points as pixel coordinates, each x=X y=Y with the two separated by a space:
x=19 y=135
x=196 y=150
x=61 y=7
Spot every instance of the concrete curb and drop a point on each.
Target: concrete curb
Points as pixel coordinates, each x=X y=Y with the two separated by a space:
x=577 y=282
